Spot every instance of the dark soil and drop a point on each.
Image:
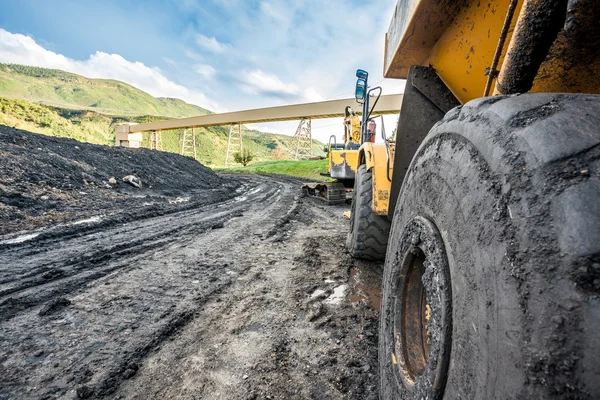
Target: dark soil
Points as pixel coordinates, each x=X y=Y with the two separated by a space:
x=46 y=180
x=243 y=291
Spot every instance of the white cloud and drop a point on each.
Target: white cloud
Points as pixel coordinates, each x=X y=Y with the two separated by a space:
x=205 y=70
x=192 y=54
x=272 y=12
x=259 y=82
x=20 y=49
x=311 y=95
x=169 y=61
x=210 y=43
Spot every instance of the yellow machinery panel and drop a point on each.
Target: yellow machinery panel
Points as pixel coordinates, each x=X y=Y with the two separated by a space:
x=467 y=47
x=460 y=38
x=375 y=157
x=342 y=163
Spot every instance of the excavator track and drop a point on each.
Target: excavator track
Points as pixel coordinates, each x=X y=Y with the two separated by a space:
x=330 y=192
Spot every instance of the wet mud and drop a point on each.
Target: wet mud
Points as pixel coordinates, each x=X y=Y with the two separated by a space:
x=244 y=291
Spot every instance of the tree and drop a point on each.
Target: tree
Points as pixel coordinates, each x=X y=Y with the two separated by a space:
x=243 y=158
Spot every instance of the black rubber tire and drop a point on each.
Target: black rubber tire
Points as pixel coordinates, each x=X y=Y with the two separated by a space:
x=368 y=235
x=510 y=189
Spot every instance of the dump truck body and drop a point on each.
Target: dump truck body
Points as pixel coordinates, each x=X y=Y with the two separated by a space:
x=489 y=207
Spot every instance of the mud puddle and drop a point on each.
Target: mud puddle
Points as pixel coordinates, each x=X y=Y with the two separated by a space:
x=365 y=286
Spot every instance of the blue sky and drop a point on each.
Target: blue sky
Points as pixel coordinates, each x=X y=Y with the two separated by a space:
x=223 y=55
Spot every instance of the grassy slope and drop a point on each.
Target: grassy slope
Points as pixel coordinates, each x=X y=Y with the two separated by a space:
x=92 y=127
x=87 y=110
x=66 y=90
x=309 y=169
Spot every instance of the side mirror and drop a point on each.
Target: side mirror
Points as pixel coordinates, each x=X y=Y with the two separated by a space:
x=361 y=85
x=362 y=74
x=361 y=90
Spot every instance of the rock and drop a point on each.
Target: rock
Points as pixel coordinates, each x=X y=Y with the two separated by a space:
x=88 y=179
x=84 y=392
x=128 y=373
x=315 y=312
x=133 y=181
x=39 y=353
x=245 y=377
x=112 y=180
x=44 y=197
x=218 y=225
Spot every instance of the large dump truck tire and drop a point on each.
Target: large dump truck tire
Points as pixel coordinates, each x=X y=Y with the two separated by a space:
x=368 y=234
x=492 y=277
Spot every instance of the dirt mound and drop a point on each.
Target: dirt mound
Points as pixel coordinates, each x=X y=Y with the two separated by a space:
x=46 y=179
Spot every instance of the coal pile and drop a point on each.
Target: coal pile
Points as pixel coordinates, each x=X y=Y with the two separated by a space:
x=45 y=180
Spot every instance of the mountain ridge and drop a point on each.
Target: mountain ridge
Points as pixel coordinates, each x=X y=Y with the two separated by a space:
x=59 y=103
x=63 y=89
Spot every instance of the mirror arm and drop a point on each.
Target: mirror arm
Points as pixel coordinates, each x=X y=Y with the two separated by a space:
x=376 y=100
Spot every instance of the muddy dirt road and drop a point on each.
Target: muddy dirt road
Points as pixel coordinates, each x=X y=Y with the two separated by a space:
x=245 y=296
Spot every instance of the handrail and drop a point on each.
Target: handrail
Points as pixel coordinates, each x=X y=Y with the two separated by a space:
x=334 y=141
x=387 y=149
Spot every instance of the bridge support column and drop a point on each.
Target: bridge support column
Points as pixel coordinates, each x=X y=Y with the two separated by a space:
x=234 y=144
x=125 y=138
x=155 y=141
x=301 y=147
x=188 y=143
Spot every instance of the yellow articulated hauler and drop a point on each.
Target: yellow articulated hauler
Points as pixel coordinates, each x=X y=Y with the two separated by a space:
x=486 y=208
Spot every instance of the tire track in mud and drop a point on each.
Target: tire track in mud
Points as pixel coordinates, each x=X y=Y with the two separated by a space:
x=276 y=331
x=124 y=300
x=60 y=277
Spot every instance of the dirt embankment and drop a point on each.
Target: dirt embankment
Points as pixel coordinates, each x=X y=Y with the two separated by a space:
x=46 y=180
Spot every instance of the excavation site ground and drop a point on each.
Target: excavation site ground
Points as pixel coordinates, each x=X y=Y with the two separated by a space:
x=193 y=286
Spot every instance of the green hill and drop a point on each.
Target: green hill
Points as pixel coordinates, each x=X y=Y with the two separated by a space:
x=58 y=103
x=63 y=89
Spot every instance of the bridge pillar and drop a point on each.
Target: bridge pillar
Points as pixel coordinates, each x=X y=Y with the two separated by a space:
x=234 y=144
x=125 y=138
x=155 y=140
x=301 y=147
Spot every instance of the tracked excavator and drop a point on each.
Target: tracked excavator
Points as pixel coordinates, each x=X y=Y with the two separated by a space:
x=342 y=157
x=487 y=211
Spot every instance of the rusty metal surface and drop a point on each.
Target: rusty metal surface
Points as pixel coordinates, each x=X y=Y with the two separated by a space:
x=573 y=62
x=492 y=71
x=538 y=25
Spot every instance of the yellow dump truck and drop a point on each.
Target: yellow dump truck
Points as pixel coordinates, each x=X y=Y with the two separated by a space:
x=487 y=211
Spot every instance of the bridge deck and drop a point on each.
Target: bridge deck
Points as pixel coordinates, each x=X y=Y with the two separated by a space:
x=387 y=104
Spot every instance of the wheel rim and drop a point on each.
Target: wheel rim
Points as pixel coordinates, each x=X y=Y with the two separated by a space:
x=422 y=325
x=412 y=328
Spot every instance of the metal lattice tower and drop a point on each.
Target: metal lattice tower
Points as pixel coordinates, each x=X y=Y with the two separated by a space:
x=301 y=147
x=234 y=144
x=155 y=141
x=188 y=144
